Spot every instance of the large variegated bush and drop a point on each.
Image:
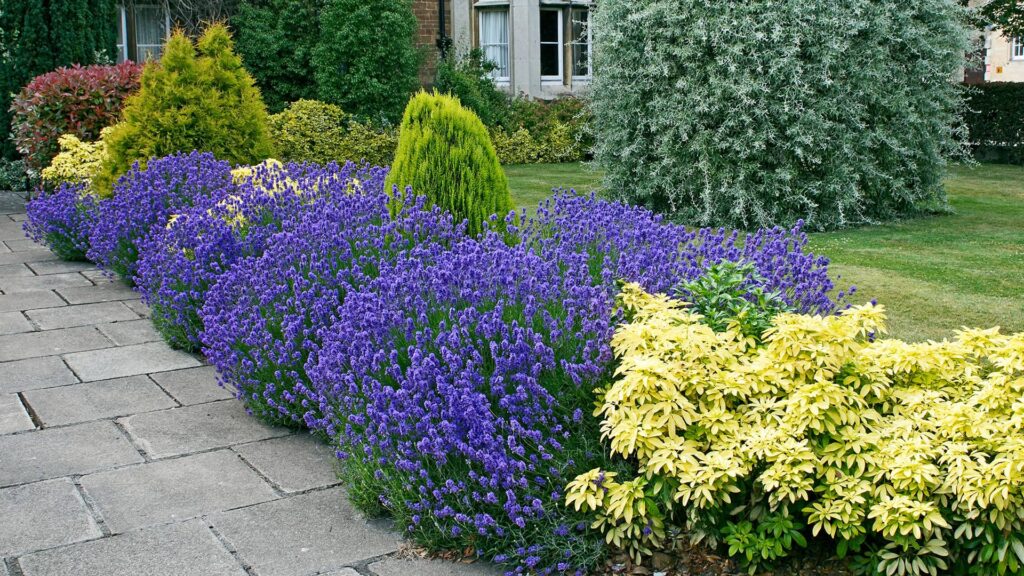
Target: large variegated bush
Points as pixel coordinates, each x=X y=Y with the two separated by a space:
x=761 y=113
x=909 y=455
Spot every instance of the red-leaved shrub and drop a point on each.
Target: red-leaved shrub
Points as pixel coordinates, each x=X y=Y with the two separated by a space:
x=77 y=100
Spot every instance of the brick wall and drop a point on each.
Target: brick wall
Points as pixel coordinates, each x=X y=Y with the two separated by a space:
x=426 y=15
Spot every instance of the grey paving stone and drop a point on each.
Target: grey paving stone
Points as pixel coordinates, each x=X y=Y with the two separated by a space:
x=294 y=463
x=13 y=417
x=33 y=374
x=51 y=342
x=193 y=385
x=8 y=257
x=43 y=515
x=18 y=270
x=196 y=428
x=421 y=567
x=3 y=568
x=18 y=217
x=304 y=534
x=81 y=449
x=81 y=315
x=186 y=549
x=128 y=361
x=139 y=308
x=23 y=245
x=96 y=400
x=174 y=490
x=10 y=230
x=131 y=331
x=60 y=267
x=14 y=323
x=37 y=283
x=102 y=292
x=344 y=572
x=28 y=301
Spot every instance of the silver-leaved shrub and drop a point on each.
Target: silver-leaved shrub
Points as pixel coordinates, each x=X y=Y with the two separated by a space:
x=759 y=113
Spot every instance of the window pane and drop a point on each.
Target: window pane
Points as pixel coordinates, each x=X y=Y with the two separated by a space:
x=550 y=54
x=121 y=56
x=494 y=40
x=150 y=31
x=549 y=25
x=580 y=43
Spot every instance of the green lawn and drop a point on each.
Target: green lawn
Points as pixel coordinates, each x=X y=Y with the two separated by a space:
x=933 y=274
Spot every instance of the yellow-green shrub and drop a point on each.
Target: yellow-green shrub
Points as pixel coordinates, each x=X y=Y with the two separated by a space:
x=909 y=454
x=312 y=131
x=552 y=145
x=77 y=161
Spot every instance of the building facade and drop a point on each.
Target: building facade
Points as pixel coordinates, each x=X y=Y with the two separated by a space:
x=1004 y=57
x=541 y=48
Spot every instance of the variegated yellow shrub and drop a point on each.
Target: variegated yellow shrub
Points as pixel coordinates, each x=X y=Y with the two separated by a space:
x=77 y=161
x=909 y=455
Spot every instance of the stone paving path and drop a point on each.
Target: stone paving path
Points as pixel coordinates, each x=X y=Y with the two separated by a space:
x=119 y=455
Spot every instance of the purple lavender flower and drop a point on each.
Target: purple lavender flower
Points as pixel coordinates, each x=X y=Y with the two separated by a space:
x=143 y=201
x=179 y=263
x=61 y=220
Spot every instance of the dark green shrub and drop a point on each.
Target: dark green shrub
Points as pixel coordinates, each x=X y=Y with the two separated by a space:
x=536 y=131
x=41 y=35
x=995 y=122
x=367 y=61
x=14 y=176
x=276 y=40
x=750 y=114
x=445 y=154
x=469 y=80
x=188 y=102
x=312 y=131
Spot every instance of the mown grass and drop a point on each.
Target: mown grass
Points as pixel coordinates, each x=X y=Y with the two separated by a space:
x=933 y=274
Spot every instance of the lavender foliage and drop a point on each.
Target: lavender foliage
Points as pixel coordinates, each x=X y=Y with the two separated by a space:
x=61 y=220
x=459 y=391
x=179 y=263
x=262 y=317
x=144 y=200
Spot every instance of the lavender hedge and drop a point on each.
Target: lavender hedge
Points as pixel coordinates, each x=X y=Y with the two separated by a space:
x=144 y=200
x=61 y=220
x=262 y=317
x=180 y=262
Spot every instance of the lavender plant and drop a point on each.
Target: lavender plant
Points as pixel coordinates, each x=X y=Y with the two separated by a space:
x=179 y=263
x=145 y=199
x=459 y=391
x=61 y=220
x=262 y=317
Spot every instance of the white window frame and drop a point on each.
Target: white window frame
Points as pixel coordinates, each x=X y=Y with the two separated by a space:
x=1017 y=48
x=560 y=78
x=481 y=10
x=122 y=42
x=573 y=43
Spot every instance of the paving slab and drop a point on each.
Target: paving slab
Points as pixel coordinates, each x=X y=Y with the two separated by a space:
x=18 y=270
x=96 y=400
x=51 y=343
x=34 y=373
x=193 y=385
x=186 y=549
x=43 y=515
x=174 y=490
x=23 y=245
x=38 y=283
x=13 y=417
x=128 y=361
x=3 y=568
x=19 y=217
x=29 y=300
x=197 y=428
x=8 y=257
x=14 y=323
x=421 y=567
x=294 y=463
x=51 y=453
x=60 y=267
x=131 y=331
x=139 y=308
x=102 y=292
x=306 y=534
x=81 y=315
